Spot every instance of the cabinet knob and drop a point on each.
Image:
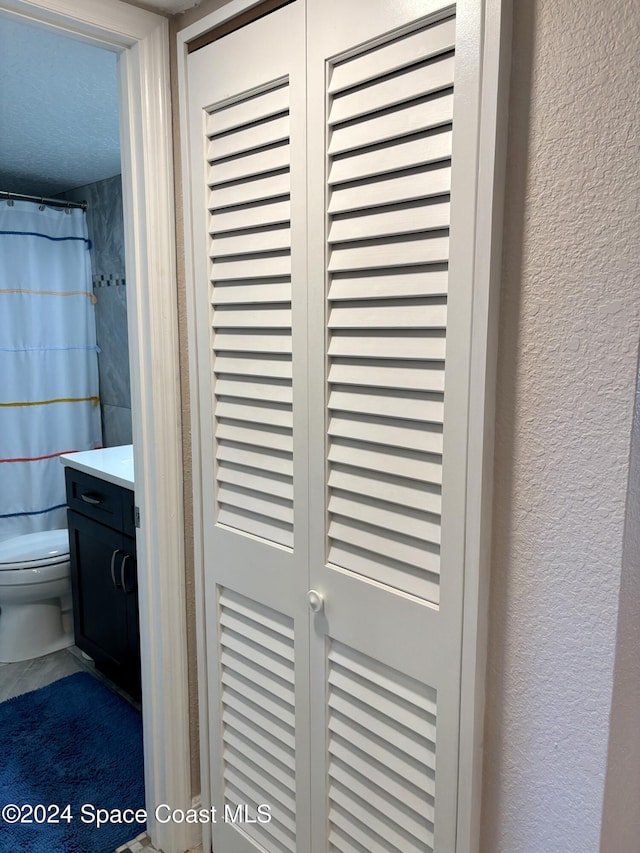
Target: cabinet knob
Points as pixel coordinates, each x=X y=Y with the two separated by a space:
x=93 y=500
x=316 y=601
x=123 y=579
x=113 y=566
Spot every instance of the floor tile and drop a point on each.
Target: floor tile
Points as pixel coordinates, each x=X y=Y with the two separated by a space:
x=18 y=678
x=142 y=844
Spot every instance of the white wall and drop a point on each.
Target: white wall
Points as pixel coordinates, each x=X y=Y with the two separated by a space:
x=567 y=367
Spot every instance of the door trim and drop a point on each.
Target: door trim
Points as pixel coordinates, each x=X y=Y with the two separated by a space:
x=141 y=40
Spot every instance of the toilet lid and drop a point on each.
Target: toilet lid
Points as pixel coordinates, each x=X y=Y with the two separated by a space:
x=44 y=548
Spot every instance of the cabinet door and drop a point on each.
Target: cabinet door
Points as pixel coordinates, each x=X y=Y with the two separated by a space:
x=128 y=577
x=99 y=604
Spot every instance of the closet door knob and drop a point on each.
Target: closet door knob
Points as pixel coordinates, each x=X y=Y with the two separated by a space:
x=316 y=601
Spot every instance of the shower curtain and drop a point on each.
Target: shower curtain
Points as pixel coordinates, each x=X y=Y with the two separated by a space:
x=49 y=401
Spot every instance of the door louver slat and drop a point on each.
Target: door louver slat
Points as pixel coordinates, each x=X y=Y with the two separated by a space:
x=249 y=110
x=239 y=733
x=250 y=251
x=369 y=254
x=412 y=375
x=247 y=165
x=249 y=659
x=408 y=464
x=384 y=431
x=246 y=243
x=258 y=265
x=249 y=216
x=412 y=495
x=252 y=413
x=248 y=767
x=249 y=138
x=378 y=513
x=397 y=54
x=258 y=481
x=244 y=192
x=238 y=293
x=389 y=179
x=241 y=386
x=415 y=281
x=407 y=119
x=258 y=713
x=387 y=344
x=393 y=314
x=402 y=186
x=382 y=745
x=243 y=365
x=255 y=341
x=265 y=461
x=388 y=403
x=402 y=219
x=418 y=150
x=404 y=85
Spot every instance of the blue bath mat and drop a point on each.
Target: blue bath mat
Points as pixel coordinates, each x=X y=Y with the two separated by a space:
x=71 y=743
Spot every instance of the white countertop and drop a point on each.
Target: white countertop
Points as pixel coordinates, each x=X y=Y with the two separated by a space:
x=113 y=464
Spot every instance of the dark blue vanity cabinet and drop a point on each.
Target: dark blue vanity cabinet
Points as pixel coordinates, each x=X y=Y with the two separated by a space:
x=104 y=585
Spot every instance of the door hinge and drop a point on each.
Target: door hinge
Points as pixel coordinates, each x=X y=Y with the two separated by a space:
x=136 y=516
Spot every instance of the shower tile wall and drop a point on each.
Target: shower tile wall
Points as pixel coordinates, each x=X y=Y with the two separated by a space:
x=106 y=232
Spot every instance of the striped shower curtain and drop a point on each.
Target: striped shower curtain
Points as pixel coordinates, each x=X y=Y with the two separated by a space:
x=48 y=361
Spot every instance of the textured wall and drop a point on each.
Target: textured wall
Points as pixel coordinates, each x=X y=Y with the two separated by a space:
x=567 y=365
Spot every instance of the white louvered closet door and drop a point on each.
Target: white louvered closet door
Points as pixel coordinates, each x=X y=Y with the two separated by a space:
x=334 y=171
x=388 y=252
x=247 y=129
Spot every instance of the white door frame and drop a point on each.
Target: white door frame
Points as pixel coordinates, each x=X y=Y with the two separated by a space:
x=493 y=19
x=141 y=40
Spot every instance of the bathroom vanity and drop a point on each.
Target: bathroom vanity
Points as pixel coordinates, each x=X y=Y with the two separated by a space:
x=102 y=549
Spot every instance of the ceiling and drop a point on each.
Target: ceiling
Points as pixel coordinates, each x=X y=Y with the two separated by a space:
x=58 y=111
x=59 y=124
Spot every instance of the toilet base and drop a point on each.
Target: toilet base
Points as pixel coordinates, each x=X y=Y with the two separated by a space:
x=32 y=630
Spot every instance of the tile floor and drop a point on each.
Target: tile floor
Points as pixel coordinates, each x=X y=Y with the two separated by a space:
x=143 y=843
x=18 y=678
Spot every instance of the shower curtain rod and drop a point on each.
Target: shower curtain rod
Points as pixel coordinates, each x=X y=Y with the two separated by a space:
x=51 y=202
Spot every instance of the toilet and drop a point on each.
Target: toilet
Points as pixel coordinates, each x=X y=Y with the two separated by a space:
x=35 y=595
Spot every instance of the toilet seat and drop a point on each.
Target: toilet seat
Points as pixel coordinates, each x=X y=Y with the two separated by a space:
x=35 y=550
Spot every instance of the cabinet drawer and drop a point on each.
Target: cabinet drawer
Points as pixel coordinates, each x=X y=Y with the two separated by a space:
x=105 y=502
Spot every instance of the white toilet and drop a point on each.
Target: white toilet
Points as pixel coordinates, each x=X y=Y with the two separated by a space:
x=35 y=595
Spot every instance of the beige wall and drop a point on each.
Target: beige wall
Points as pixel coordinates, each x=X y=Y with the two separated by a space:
x=567 y=364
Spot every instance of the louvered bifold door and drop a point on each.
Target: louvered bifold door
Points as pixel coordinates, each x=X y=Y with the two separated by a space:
x=247 y=103
x=389 y=374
